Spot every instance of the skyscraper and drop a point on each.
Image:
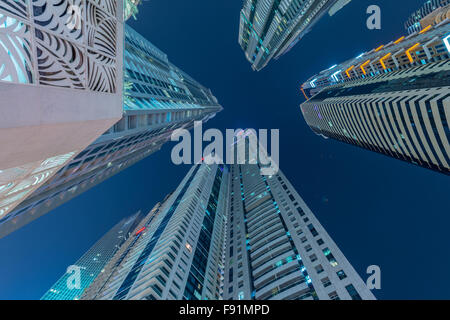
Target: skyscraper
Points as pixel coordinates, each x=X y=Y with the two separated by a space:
x=432 y=12
x=270 y=28
x=60 y=73
x=231 y=234
x=276 y=247
x=91 y=264
x=178 y=256
x=115 y=262
x=130 y=8
x=393 y=100
x=158 y=98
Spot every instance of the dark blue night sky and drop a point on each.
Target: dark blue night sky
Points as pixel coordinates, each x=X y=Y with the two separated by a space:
x=378 y=210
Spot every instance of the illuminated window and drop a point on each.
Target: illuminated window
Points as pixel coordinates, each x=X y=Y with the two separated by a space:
x=330 y=257
x=341 y=274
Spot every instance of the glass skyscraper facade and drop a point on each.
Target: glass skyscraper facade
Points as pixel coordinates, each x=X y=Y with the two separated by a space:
x=180 y=253
x=270 y=28
x=91 y=264
x=158 y=99
x=230 y=233
x=393 y=100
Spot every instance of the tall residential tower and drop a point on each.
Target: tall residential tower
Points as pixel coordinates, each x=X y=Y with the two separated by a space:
x=230 y=234
x=179 y=254
x=393 y=100
x=432 y=12
x=158 y=99
x=92 y=263
x=276 y=248
x=60 y=73
x=270 y=28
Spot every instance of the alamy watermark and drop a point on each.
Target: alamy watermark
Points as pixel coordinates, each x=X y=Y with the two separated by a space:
x=374 y=280
x=74 y=278
x=241 y=147
x=374 y=20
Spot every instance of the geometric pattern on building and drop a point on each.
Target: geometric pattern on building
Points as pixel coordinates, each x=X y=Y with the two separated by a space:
x=16 y=183
x=67 y=44
x=222 y=235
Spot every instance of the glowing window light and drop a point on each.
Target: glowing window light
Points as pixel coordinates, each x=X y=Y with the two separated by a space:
x=425 y=29
x=447 y=42
x=313 y=83
x=334 y=75
x=363 y=65
x=384 y=58
x=408 y=52
x=379 y=48
x=399 y=40
x=348 y=71
x=332 y=67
